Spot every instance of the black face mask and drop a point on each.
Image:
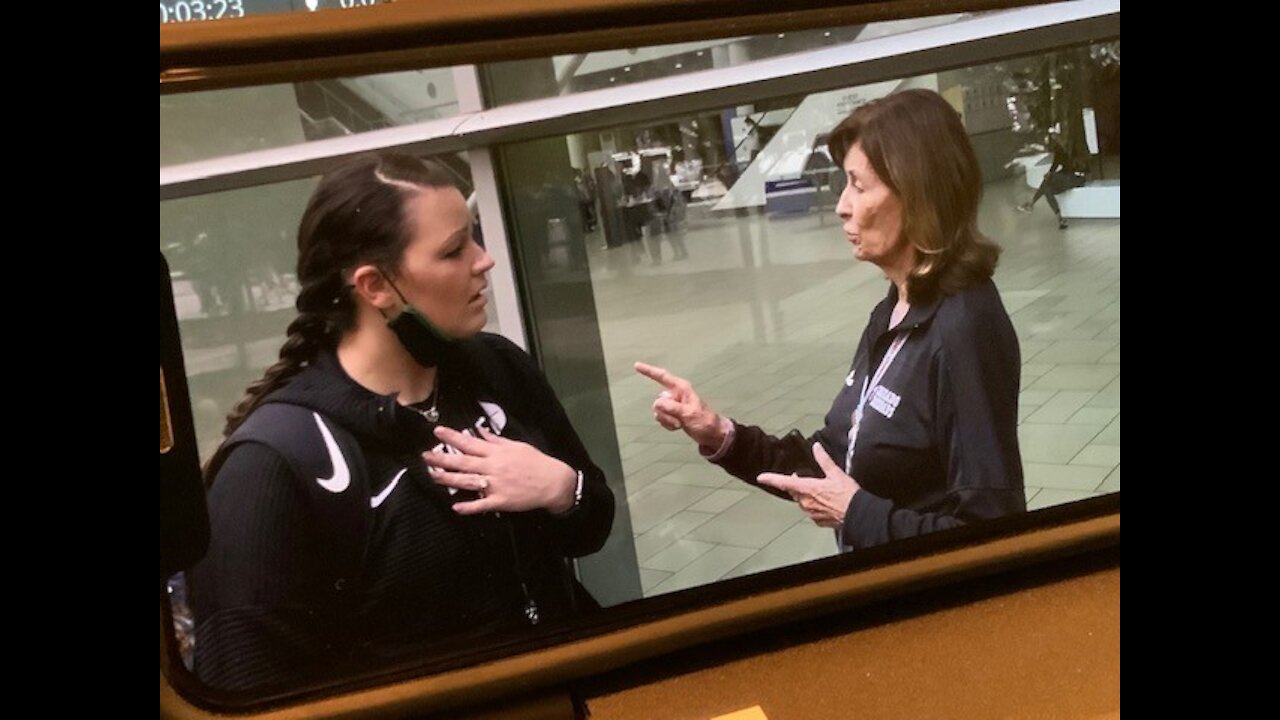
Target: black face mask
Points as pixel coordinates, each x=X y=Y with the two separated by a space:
x=424 y=341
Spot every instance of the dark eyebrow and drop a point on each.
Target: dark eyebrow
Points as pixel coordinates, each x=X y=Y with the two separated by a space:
x=464 y=234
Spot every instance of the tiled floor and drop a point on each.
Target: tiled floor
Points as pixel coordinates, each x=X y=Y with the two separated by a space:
x=763 y=318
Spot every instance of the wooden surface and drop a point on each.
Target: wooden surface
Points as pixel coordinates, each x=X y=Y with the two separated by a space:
x=1044 y=651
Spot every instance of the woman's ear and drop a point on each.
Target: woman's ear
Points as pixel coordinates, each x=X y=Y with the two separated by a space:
x=372 y=285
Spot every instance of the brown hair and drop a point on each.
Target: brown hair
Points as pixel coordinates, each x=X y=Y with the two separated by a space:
x=918 y=146
x=356 y=215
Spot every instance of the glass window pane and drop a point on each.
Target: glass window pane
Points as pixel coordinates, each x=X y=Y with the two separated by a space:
x=728 y=266
x=214 y=123
x=519 y=80
x=725 y=264
x=233 y=257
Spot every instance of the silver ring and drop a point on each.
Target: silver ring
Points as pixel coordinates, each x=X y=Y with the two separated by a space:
x=484 y=483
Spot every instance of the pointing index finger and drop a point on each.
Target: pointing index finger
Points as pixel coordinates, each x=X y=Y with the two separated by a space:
x=657 y=374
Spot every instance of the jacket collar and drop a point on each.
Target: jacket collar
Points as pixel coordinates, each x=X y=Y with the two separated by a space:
x=917 y=315
x=324 y=386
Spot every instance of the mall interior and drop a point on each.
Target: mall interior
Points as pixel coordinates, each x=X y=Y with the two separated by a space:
x=675 y=204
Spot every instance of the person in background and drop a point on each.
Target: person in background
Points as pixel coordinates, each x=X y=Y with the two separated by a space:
x=1060 y=177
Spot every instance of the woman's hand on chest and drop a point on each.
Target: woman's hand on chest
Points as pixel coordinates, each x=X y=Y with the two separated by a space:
x=509 y=475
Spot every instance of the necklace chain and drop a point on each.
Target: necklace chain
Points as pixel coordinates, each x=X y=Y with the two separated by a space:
x=432 y=413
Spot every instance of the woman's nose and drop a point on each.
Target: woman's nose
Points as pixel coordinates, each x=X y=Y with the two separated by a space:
x=844 y=206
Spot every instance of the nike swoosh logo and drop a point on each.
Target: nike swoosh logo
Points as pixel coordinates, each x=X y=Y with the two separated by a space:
x=497 y=416
x=341 y=477
x=376 y=500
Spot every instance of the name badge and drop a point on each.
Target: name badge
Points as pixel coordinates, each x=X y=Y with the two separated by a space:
x=884 y=401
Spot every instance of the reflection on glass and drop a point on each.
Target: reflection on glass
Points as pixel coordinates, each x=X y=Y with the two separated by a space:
x=743 y=284
x=519 y=80
x=214 y=123
x=233 y=256
x=708 y=244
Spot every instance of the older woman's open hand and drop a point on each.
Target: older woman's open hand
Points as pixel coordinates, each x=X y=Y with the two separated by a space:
x=824 y=499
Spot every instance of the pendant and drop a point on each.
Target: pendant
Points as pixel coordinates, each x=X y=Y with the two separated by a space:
x=431 y=414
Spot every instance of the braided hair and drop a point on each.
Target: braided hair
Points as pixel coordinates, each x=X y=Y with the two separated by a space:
x=355 y=216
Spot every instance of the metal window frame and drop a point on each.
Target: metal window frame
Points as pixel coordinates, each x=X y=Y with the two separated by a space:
x=664 y=633
x=1014 y=32
x=476 y=129
x=965 y=42
x=402 y=35
x=502 y=277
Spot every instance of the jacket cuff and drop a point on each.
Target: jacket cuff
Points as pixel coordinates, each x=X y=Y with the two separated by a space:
x=713 y=455
x=866 y=522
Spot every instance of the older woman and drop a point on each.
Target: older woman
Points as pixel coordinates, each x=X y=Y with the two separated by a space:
x=922 y=435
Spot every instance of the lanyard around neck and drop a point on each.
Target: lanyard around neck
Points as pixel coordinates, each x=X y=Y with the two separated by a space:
x=868 y=387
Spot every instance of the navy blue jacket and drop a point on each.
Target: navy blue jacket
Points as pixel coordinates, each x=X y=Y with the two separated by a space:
x=938 y=444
